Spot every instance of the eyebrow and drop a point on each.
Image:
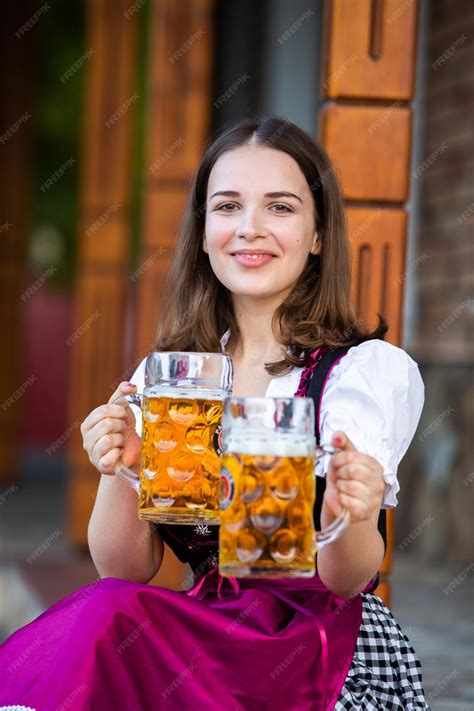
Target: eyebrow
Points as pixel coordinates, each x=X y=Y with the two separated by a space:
x=278 y=194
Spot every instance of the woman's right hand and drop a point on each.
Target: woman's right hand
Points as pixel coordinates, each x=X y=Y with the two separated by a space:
x=109 y=431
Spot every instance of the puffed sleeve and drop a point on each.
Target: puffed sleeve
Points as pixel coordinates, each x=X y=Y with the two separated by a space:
x=138 y=379
x=375 y=395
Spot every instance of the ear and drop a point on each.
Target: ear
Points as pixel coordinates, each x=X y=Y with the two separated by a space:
x=316 y=244
x=204 y=244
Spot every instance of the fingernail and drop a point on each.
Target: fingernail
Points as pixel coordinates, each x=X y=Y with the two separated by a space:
x=337 y=441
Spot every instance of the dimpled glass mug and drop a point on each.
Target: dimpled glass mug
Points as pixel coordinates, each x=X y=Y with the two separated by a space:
x=177 y=477
x=267 y=489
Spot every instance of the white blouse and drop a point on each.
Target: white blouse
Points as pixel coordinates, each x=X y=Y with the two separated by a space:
x=374 y=394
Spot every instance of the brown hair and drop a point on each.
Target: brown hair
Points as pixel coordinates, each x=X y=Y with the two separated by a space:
x=197 y=308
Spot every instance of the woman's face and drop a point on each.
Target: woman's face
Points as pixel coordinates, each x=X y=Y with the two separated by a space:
x=260 y=224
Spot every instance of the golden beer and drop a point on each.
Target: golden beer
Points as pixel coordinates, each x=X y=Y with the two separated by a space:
x=266 y=501
x=179 y=470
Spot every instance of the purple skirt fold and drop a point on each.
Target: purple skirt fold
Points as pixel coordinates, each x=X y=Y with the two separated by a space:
x=240 y=645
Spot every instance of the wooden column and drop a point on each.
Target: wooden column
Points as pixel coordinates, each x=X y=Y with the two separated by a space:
x=179 y=113
x=97 y=341
x=368 y=83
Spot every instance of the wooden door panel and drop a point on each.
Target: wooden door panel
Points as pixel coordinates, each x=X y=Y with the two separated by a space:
x=370 y=50
x=378 y=240
x=370 y=146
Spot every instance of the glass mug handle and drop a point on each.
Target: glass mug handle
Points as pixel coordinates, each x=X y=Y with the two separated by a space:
x=342 y=520
x=121 y=470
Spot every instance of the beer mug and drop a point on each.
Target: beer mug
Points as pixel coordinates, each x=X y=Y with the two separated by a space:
x=177 y=477
x=267 y=489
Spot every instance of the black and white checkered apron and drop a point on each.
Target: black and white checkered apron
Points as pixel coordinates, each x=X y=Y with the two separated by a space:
x=385 y=673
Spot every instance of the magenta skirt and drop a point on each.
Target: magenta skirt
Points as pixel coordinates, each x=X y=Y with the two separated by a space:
x=237 y=645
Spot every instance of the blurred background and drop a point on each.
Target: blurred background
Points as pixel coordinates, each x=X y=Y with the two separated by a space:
x=106 y=106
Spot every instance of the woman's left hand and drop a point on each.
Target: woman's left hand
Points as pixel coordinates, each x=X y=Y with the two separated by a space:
x=354 y=480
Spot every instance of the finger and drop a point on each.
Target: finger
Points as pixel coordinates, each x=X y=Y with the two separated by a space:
x=109 y=425
x=105 y=444
x=123 y=389
x=357 y=489
x=99 y=414
x=341 y=459
x=332 y=500
x=342 y=441
x=106 y=464
x=355 y=471
x=358 y=509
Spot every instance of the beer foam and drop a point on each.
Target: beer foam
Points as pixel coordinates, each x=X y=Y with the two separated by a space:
x=276 y=446
x=191 y=393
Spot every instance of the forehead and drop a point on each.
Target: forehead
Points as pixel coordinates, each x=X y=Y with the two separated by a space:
x=256 y=168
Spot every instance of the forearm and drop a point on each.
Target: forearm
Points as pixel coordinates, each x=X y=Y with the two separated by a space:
x=121 y=544
x=348 y=564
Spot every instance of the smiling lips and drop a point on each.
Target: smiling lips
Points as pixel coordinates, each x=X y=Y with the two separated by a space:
x=252 y=258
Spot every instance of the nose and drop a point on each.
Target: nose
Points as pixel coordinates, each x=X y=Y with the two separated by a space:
x=251 y=227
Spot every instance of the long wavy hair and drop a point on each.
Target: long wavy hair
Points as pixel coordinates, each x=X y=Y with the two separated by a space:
x=197 y=309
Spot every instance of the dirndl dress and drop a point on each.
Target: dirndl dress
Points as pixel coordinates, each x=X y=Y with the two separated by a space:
x=225 y=644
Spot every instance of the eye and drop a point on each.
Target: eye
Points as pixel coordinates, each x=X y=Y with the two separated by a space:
x=285 y=208
x=225 y=205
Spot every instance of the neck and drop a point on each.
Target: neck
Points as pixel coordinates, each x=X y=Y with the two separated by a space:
x=256 y=344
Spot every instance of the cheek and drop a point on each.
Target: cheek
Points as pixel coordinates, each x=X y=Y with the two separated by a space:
x=216 y=234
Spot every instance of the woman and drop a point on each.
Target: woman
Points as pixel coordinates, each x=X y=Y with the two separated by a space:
x=262 y=271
